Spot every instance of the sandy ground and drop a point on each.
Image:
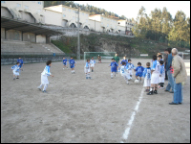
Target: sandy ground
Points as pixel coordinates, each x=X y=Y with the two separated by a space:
x=80 y=110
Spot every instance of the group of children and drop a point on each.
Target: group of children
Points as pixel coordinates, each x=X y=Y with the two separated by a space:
x=153 y=75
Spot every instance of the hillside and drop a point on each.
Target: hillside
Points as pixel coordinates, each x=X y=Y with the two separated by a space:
x=107 y=43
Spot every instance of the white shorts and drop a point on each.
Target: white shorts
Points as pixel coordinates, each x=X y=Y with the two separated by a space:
x=155 y=78
x=130 y=72
x=44 y=79
x=86 y=70
x=147 y=82
x=161 y=79
x=16 y=73
x=92 y=65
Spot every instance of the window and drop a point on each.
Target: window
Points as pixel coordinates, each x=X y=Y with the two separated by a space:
x=39 y=2
x=18 y=5
x=2 y=1
x=26 y=7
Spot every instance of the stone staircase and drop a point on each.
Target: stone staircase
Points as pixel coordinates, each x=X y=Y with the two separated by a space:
x=27 y=47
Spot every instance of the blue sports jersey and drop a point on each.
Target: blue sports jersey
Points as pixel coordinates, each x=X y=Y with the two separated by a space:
x=139 y=71
x=114 y=66
x=15 y=68
x=147 y=73
x=87 y=65
x=46 y=71
x=130 y=66
x=72 y=62
x=20 y=61
x=126 y=61
x=64 y=61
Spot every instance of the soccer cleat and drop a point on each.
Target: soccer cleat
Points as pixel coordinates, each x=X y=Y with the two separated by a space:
x=39 y=89
x=86 y=77
x=44 y=91
x=150 y=93
x=90 y=78
x=155 y=92
x=17 y=78
x=13 y=78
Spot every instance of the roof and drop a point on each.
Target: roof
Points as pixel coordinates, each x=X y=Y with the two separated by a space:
x=104 y=16
x=9 y=23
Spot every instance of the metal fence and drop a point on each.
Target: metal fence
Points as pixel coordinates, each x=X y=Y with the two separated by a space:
x=11 y=58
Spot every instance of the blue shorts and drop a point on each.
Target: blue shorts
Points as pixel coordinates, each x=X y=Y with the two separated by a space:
x=138 y=74
x=113 y=70
x=64 y=64
x=20 y=65
x=72 y=66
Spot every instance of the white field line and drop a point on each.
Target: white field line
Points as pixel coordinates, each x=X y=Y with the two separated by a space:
x=130 y=122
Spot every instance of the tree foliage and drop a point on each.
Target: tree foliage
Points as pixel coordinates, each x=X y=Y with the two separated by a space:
x=160 y=26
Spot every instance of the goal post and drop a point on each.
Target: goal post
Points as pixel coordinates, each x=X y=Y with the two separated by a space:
x=104 y=55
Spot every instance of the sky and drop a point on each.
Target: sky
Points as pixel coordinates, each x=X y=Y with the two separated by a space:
x=130 y=9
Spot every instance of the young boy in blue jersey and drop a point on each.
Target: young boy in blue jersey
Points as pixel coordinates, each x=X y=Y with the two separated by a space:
x=21 y=63
x=72 y=64
x=44 y=76
x=124 y=72
x=147 y=77
x=64 y=62
x=139 y=71
x=92 y=64
x=15 y=69
x=124 y=60
x=87 y=69
x=130 y=67
x=155 y=71
x=113 y=66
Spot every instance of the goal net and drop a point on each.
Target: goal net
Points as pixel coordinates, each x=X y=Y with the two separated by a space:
x=105 y=56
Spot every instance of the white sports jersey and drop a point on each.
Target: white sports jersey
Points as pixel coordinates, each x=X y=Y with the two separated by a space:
x=123 y=70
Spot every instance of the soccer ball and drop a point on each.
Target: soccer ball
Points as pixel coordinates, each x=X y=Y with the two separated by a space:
x=136 y=81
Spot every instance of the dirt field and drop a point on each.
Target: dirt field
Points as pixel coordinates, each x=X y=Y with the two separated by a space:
x=80 y=110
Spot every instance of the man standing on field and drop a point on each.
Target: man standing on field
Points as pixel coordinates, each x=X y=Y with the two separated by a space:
x=116 y=58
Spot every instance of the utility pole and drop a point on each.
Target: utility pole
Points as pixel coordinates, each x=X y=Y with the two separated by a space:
x=78 y=50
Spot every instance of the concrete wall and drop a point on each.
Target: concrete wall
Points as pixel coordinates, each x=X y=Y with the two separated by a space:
x=13 y=35
x=34 y=7
x=27 y=17
x=5 y=13
x=53 y=18
x=29 y=37
x=40 y=39
x=2 y=33
x=95 y=25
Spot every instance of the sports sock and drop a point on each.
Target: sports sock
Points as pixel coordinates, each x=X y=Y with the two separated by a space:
x=151 y=88
x=45 y=87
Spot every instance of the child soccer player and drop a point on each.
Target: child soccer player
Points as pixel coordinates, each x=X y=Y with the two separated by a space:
x=21 y=63
x=155 y=70
x=64 y=62
x=92 y=64
x=147 y=76
x=44 y=76
x=124 y=60
x=15 y=69
x=72 y=64
x=139 y=71
x=87 y=69
x=162 y=74
x=124 y=72
x=130 y=68
x=114 y=66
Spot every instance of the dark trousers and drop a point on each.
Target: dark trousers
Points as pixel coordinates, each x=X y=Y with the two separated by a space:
x=166 y=76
